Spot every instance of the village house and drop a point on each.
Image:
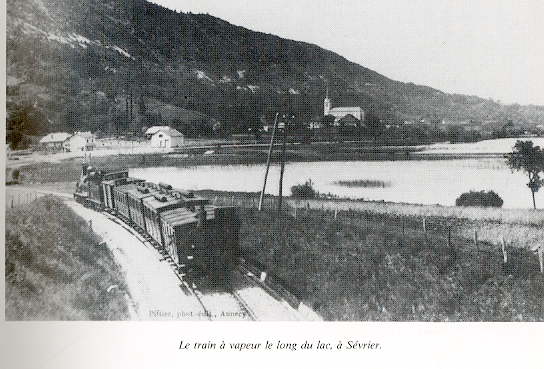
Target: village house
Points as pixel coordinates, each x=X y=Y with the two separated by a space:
x=80 y=141
x=167 y=138
x=54 y=140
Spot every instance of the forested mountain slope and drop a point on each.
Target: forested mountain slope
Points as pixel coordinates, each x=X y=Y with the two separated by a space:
x=120 y=65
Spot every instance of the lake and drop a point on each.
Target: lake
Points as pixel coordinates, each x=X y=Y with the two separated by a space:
x=417 y=181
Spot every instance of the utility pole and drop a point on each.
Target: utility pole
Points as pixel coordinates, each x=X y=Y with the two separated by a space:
x=283 y=127
x=268 y=161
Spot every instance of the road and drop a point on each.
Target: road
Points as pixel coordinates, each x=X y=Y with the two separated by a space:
x=154 y=291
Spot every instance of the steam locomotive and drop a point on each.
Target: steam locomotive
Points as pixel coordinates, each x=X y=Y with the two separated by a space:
x=201 y=238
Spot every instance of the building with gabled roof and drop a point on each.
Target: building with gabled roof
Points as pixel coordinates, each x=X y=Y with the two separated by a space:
x=152 y=130
x=80 y=141
x=167 y=138
x=54 y=140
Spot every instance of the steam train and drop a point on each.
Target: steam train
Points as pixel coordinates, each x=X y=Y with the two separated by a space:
x=201 y=238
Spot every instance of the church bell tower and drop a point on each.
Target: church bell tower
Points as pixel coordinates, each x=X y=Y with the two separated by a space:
x=327 y=105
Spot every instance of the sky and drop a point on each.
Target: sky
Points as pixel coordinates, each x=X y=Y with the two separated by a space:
x=493 y=49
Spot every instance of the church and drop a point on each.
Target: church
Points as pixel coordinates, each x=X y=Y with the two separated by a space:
x=344 y=114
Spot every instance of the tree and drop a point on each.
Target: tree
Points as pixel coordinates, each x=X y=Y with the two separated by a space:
x=529 y=159
x=374 y=124
x=328 y=123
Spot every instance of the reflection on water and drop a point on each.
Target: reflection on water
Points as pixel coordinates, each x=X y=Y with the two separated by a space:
x=423 y=182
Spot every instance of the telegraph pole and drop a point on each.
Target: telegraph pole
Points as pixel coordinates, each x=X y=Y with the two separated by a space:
x=268 y=161
x=282 y=127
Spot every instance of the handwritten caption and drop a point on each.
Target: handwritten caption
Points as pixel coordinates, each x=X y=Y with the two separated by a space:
x=280 y=345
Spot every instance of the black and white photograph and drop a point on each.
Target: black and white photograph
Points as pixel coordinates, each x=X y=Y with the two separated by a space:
x=325 y=167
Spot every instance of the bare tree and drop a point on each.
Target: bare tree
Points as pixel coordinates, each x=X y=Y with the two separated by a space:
x=529 y=159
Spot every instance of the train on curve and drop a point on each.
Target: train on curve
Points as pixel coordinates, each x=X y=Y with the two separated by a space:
x=201 y=238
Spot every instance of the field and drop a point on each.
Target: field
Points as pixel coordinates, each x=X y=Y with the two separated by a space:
x=56 y=267
x=368 y=266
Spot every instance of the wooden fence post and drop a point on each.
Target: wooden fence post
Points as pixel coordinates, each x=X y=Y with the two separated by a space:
x=402 y=218
x=541 y=258
x=504 y=254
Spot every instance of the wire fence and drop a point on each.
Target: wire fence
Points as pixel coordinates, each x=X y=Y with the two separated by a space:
x=16 y=197
x=429 y=232
x=433 y=233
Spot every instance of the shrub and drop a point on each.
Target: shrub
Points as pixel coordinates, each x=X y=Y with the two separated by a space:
x=482 y=198
x=304 y=191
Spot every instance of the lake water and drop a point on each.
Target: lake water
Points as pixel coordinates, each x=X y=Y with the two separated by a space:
x=417 y=181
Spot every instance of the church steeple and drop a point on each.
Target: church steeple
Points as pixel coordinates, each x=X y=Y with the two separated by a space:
x=327 y=105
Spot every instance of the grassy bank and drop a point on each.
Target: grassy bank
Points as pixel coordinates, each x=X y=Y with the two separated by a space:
x=371 y=267
x=520 y=228
x=56 y=267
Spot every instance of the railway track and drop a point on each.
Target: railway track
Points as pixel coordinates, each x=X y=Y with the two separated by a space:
x=218 y=303
x=247 y=298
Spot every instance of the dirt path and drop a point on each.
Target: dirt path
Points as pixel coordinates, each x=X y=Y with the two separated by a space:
x=154 y=290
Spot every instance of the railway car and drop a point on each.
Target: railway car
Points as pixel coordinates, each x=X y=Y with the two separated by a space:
x=135 y=199
x=190 y=200
x=213 y=243
x=121 y=199
x=153 y=207
x=202 y=241
x=109 y=181
x=176 y=225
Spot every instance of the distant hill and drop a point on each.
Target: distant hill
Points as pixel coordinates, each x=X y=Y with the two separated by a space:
x=120 y=65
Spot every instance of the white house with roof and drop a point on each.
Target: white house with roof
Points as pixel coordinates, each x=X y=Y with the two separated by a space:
x=341 y=112
x=80 y=141
x=166 y=138
x=152 y=130
x=54 y=140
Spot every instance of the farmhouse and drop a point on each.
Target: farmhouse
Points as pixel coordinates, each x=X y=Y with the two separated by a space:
x=54 y=140
x=167 y=137
x=80 y=141
x=341 y=112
